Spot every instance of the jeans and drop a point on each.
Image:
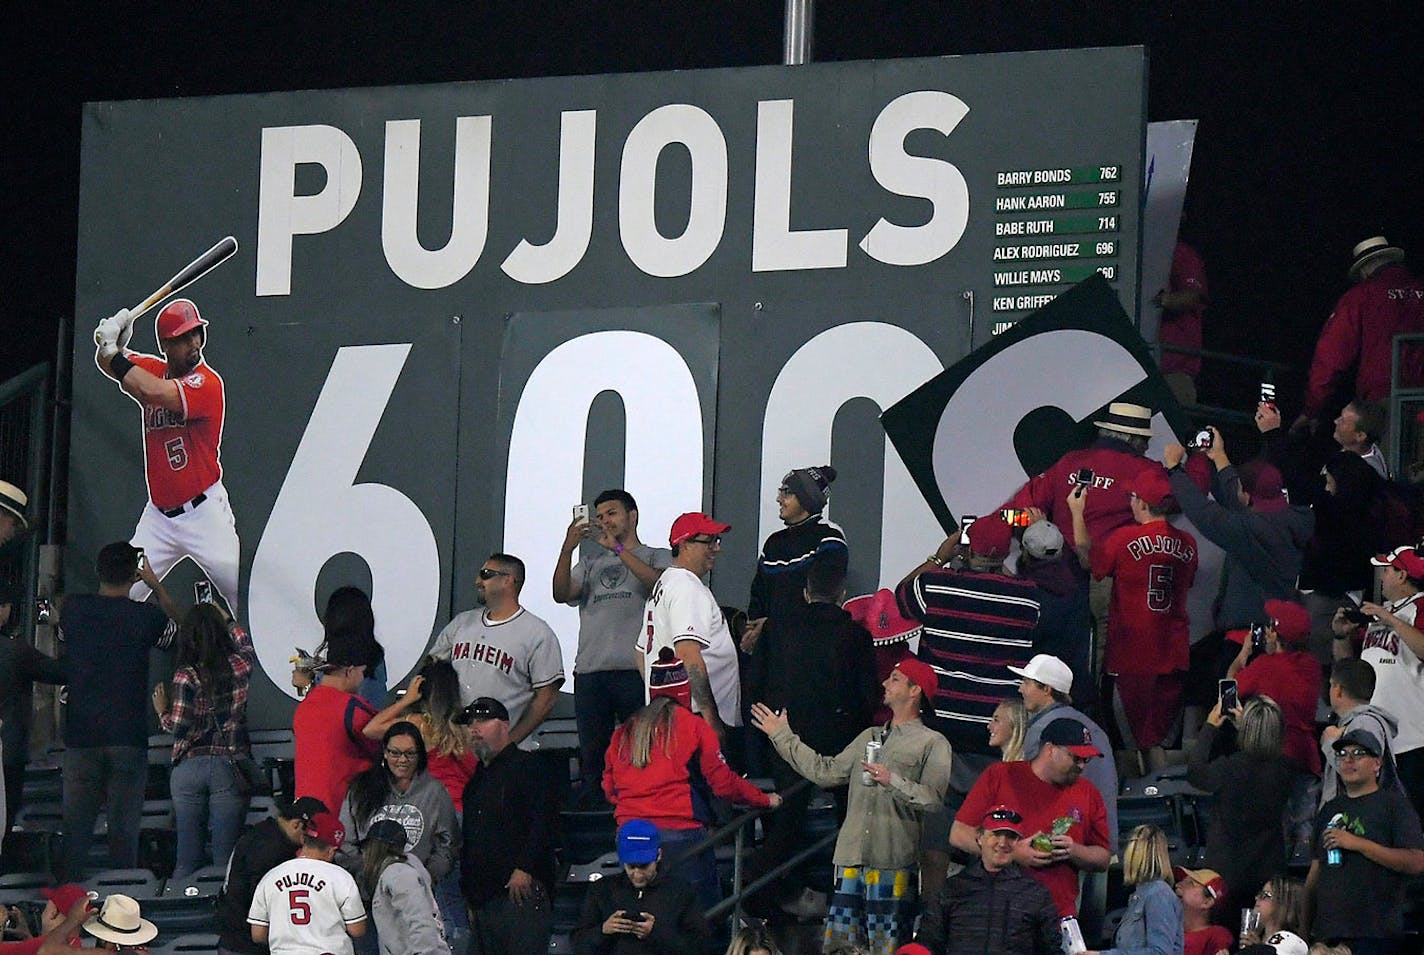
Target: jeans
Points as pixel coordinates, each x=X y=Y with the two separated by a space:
x=698 y=871
x=602 y=700
x=94 y=776
x=452 y=910
x=207 y=799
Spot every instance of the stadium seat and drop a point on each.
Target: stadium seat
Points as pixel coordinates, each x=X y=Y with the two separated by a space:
x=204 y=883
x=16 y=887
x=601 y=868
x=190 y=944
x=139 y=884
x=260 y=808
x=587 y=835
x=1160 y=811
x=41 y=816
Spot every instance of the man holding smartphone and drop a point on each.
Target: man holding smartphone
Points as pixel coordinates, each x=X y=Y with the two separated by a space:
x=609 y=584
x=636 y=912
x=107 y=637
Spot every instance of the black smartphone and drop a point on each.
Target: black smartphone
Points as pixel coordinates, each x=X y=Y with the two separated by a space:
x=203 y=591
x=964 y=523
x=1230 y=700
x=1268 y=393
x=1203 y=440
x=1084 y=476
x=1016 y=516
x=1258 y=637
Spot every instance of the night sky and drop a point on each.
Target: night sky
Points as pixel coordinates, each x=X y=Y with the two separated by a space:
x=1311 y=134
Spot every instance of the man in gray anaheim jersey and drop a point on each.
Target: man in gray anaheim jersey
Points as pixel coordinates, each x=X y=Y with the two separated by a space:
x=609 y=585
x=504 y=651
x=309 y=904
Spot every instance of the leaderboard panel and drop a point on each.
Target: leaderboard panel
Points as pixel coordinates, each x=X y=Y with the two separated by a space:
x=1054 y=227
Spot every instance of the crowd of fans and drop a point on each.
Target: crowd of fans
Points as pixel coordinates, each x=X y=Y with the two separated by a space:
x=974 y=724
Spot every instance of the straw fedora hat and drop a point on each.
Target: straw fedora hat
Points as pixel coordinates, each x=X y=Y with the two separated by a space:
x=1127 y=418
x=15 y=501
x=119 y=922
x=1375 y=249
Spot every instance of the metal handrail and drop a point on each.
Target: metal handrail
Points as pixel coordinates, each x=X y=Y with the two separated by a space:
x=1398 y=395
x=1226 y=357
x=737 y=827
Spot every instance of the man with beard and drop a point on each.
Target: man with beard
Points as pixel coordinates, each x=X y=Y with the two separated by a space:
x=504 y=651
x=507 y=863
x=1062 y=811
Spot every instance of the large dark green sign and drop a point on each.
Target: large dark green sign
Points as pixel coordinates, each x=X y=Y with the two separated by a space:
x=458 y=310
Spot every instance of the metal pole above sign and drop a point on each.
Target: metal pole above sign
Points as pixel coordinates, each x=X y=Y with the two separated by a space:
x=800 y=21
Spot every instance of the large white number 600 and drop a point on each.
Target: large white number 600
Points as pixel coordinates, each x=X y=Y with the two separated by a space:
x=320 y=512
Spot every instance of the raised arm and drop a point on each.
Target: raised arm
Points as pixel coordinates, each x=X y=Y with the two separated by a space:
x=393 y=714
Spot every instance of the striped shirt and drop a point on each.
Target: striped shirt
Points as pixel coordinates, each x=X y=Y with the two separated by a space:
x=976 y=625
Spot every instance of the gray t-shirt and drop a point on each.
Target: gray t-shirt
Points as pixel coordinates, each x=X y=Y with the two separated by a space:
x=506 y=659
x=610 y=601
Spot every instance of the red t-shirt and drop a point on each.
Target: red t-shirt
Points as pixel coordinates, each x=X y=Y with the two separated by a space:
x=1292 y=679
x=330 y=749
x=1208 y=941
x=180 y=449
x=453 y=773
x=1152 y=566
x=1015 y=785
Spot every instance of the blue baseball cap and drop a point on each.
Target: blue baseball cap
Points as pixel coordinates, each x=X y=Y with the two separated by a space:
x=638 y=842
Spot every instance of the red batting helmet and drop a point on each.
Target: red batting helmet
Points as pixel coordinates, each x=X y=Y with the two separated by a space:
x=178 y=317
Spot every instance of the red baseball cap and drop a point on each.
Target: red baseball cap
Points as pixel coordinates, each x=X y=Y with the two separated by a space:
x=1152 y=485
x=65 y=897
x=1402 y=558
x=990 y=537
x=693 y=523
x=921 y=674
x=326 y=827
x=1003 y=819
x=1292 y=621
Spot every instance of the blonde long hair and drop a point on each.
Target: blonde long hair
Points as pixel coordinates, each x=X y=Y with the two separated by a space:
x=1145 y=858
x=1017 y=717
x=440 y=702
x=645 y=729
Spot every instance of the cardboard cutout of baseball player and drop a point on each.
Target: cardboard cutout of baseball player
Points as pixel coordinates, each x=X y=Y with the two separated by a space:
x=182 y=400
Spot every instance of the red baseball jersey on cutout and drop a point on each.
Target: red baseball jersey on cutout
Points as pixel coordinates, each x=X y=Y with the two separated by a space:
x=1152 y=566
x=180 y=449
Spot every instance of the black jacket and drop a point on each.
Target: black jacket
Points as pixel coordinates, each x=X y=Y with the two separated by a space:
x=678 y=924
x=260 y=850
x=820 y=665
x=21 y=667
x=509 y=824
x=978 y=913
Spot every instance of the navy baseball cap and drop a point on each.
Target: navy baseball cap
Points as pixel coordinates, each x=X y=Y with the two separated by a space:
x=638 y=842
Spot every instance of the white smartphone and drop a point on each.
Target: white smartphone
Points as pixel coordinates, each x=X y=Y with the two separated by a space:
x=581 y=514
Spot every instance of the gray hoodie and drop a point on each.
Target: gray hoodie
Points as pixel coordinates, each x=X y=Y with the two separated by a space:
x=1378 y=723
x=429 y=819
x=404 y=910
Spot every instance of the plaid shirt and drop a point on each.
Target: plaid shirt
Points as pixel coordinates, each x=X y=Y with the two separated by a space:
x=205 y=725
